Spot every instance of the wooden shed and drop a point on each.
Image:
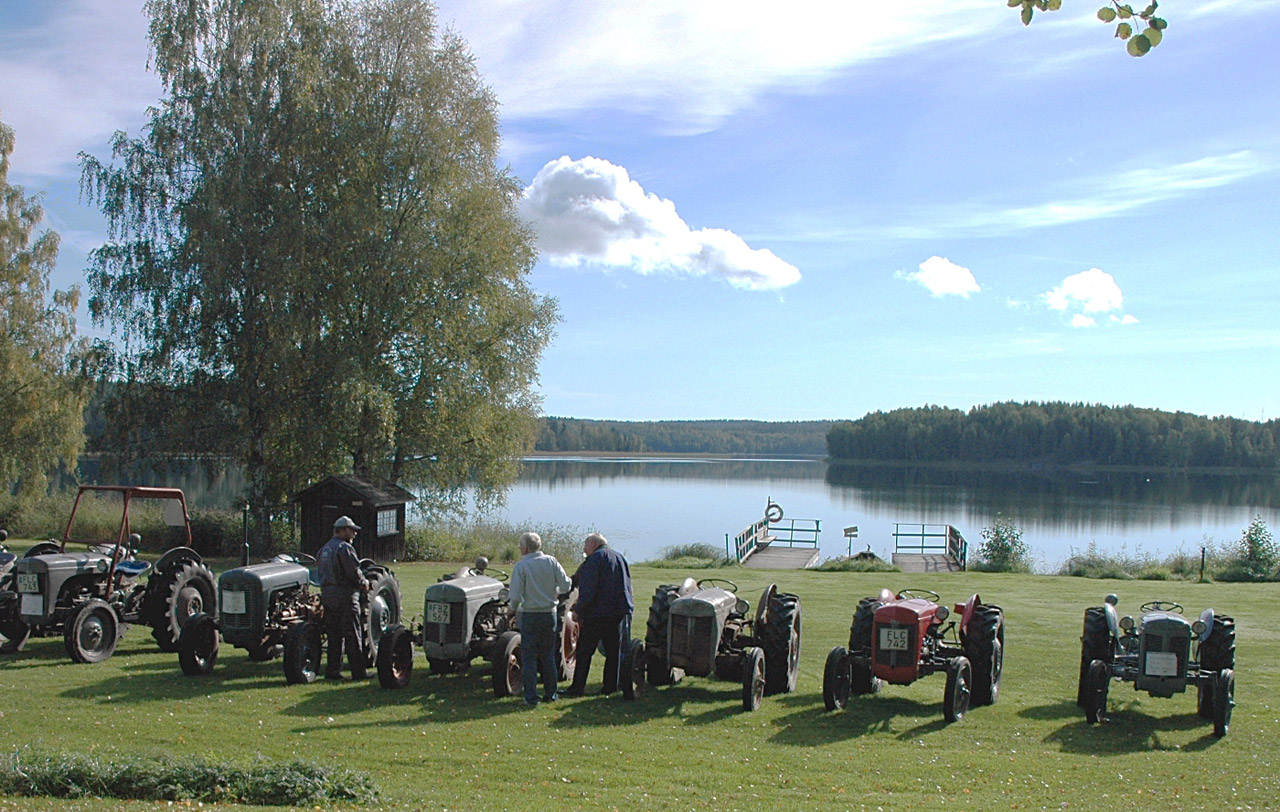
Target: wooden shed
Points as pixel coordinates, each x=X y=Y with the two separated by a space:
x=378 y=509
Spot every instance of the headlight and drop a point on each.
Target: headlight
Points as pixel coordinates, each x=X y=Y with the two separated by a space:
x=1198 y=627
x=742 y=607
x=504 y=594
x=943 y=613
x=1126 y=623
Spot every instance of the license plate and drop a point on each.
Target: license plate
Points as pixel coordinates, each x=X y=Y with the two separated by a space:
x=233 y=602
x=438 y=612
x=1162 y=664
x=32 y=604
x=28 y=582
x=894 y=639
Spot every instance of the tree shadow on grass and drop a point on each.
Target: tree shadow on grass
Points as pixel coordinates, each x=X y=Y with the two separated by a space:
x=863 y=716
x=1129 y=731
x=701 y=702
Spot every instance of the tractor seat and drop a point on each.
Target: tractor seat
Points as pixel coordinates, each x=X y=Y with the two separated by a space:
x=132 y=569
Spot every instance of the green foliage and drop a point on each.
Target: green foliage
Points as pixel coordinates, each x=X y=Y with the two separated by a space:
x=1136 y=45
x=74 y=775
x=684 y=436
x=1256 y=556
x=1180 y=565
x=45 y=372
x=495 y=540
x=857 y=563
x=317 y=209
x=1002 y=548
x=694 y=555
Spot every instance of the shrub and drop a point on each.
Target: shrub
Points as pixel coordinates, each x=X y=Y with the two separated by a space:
x=1002 y=548
x=862 y=562
x=497 y=541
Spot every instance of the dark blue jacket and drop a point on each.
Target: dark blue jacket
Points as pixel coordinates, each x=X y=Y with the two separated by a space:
x=604 y=585
x=339 y=570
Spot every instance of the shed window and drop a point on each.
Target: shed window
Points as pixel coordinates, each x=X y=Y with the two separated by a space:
x=387 y=522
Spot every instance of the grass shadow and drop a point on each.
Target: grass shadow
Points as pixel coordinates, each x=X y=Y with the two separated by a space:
x=1063 y=709
x=1128 y=731
x=863 y=716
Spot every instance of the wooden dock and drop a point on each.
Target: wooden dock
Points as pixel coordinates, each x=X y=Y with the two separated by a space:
x=769 y=557
x=776 y=543
x=929 y=548
x=915 y=562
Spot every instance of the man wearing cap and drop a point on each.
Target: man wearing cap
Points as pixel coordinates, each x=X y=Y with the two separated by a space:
x=341 y=583
x=537 y=581
x=604 y=603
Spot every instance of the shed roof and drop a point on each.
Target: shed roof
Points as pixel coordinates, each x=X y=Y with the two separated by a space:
x=388 y=494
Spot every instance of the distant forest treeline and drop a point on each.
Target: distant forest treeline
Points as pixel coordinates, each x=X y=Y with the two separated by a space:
x=757 y=437
x=1057 y=433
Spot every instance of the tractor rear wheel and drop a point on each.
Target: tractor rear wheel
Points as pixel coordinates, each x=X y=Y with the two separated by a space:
x=507 y=673
x=633 y=671
x=179 y=593
x=753 y=678
x=955 y=703
x=1099 y=681
x=92 y=633
x=198 y=645
x=1224 y=699
x=984 y=646
x=781 y=639
x=380 y=610
x=1095 y=644
x=1218 y=651
x=395 y=658
x=303 y=643
x=863 y=620
x=655 y=636
x=836 y=677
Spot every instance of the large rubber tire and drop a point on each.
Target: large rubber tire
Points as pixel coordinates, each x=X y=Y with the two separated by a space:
x=1224 y=700
x=198 y=645
x=754 y=668
x=1095 y=644
x=1218 y=651
x=92 y=632
x=303 y=645
x=984 y=646
x=955 y=702
x=395 y=658
x=380 y=611
x=781 y=641
x=863 y=621
x=507 y=673
x=836 y=679
x=659 y=668
x=633 y=670
x=1098 y=683
x=181 y=592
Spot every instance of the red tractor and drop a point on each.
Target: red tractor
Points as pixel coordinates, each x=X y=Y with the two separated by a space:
x=900 y=638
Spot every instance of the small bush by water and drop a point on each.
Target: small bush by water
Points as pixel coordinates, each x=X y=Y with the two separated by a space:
x=498 y=541
x=694 y=555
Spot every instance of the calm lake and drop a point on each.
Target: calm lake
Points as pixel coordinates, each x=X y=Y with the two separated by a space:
x=645 y=504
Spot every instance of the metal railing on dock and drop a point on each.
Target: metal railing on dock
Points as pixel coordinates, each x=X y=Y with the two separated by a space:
x=930 y=539
x=773 y=530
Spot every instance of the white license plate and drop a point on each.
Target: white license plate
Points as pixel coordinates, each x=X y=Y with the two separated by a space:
x=233 y=602
x=32 y=604
x=28 y=582
x=894 y=639
x=438 y=612
x=1162 y=664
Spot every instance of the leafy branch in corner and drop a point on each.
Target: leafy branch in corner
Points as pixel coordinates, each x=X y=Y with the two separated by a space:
x=1136 y=43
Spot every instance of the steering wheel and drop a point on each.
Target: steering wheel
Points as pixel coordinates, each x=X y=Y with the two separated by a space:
x=296 y=558
x=707 y=583
x=1162 y=606
x=919 y=593
x=492 y=572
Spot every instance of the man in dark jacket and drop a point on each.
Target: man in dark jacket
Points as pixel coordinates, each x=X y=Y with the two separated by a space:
x=341 y=583
x=604 y=603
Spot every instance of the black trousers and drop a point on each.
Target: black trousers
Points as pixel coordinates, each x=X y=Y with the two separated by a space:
x=594 y=631
x=342 y=625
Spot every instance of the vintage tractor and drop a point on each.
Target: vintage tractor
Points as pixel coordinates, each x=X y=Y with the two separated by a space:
x=274 y=607
x=1156 y=655
x=703 y=627
x=91 y=597
x=901 y=638
x=465 y=616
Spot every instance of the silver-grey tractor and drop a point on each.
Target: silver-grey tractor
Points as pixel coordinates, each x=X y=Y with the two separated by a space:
x=466 y=615
x=702 y=628
x=273 y=608
x=1161 y=653
x=90 y=596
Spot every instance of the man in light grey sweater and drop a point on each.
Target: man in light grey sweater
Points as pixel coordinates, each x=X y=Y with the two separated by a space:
x=537 y=581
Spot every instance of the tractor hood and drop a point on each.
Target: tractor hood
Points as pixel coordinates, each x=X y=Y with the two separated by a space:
x=712 y=602
x=468 y=588
x=263 y=578
x=65 y=563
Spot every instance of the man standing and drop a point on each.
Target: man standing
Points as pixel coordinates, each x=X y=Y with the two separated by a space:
x=537 y=581
x=604 y=602
x=341 y=583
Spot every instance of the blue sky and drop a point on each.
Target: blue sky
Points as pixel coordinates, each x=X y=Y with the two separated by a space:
x=813 y=210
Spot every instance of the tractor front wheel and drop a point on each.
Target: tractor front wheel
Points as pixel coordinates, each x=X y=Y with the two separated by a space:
x=92 y=633
x=507 y=674
x=633 y=671
x=955 y=703
x=303 y=643
x=198 y=645
x=753 y=678
x=836 y=678
x=781 y=639
x=1099 y=681
x=1224 y=699
x=864 y=680
x=395 y=658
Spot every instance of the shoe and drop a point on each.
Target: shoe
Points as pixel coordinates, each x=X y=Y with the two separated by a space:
x=574 y=691
x=550 y=698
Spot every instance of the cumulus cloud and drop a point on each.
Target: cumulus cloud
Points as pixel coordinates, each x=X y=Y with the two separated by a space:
x=590 y=211
x=1088 y=293
x=942 y=277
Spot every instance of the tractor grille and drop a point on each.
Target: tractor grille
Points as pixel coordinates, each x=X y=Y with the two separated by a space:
x=895 y=658
x=240 y=621
x=693 y=643
x=452 y=632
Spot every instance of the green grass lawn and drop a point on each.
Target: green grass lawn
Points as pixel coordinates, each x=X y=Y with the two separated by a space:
x=446 y=743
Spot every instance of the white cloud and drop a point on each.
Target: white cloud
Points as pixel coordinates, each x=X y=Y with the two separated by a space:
x=1089 y=292
x=942 y=277
x=590 y=211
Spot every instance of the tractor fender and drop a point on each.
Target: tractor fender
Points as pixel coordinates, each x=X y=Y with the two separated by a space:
x=687 y=587
x=1206 y=617
x=1113 y=619
x=965 y=610
x=762 y=610
x=886 y=595
x=174 y=558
